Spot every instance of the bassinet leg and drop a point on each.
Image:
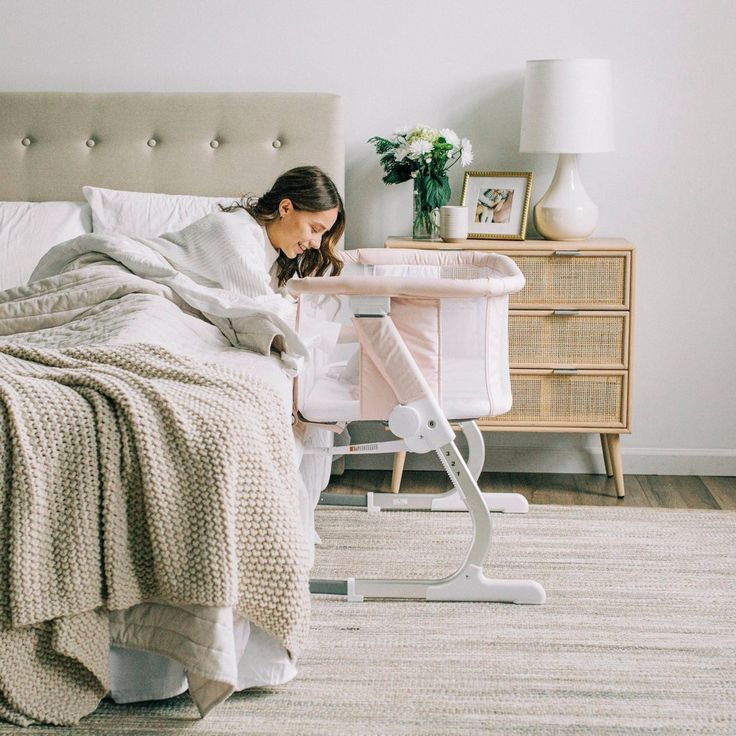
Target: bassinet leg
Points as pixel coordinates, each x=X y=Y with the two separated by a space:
x=468 y=583
x=452 y=500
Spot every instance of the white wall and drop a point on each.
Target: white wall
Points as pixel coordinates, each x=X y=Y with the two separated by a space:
x=668 y=187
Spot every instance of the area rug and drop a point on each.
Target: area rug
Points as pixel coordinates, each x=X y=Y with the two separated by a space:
x=638 y=634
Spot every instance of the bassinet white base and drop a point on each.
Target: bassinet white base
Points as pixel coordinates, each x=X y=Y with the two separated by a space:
x=468 y=582
x=374 y=501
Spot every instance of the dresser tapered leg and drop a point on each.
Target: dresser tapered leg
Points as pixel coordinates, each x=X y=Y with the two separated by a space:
x=614 y=448
x=398 y=470
x=606 y=455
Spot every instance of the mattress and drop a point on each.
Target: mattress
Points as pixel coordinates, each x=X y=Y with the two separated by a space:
x=333 y=399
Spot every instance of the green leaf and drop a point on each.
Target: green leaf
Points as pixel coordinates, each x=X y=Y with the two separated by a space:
x=382 y=145
x=437 y=190
x=398 y=174
x=440 y=148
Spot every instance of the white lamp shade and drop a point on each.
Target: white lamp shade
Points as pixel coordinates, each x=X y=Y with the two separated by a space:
x=568 y=106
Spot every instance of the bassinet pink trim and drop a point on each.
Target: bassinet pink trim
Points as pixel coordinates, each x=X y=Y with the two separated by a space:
x=506 y=277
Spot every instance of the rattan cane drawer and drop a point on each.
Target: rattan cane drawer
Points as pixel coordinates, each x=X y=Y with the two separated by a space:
x=583 y=399
x=568 y=339
x=573 y=279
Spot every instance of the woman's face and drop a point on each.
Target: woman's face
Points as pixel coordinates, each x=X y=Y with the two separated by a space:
x=296 y=230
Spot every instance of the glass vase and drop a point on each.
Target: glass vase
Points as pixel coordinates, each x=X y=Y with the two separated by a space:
x=426 y=219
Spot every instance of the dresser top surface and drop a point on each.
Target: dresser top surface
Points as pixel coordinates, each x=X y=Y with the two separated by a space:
x=403 y=241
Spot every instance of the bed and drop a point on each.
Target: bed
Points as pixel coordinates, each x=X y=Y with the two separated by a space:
x=217 y=146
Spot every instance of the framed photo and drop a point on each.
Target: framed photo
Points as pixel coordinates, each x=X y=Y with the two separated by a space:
x=498 y=203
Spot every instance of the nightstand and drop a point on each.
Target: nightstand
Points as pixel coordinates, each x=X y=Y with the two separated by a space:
x=570 y=339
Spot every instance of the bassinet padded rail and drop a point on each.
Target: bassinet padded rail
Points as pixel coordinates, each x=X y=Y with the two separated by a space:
x=417 y=339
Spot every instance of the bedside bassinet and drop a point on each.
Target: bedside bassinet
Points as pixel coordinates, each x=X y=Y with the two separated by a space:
x=417 y=339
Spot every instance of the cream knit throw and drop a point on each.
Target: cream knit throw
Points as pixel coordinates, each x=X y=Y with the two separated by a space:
x=129 y=474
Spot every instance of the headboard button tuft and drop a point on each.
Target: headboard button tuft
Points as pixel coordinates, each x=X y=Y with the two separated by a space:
x=152 y=142
x=26 y=142
x=214 y=143
x=91 y=143
x=276 y=143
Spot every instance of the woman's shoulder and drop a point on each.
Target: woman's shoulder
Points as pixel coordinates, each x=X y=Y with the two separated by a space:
x=237 y=215
x=237 y=221
x=240 y=213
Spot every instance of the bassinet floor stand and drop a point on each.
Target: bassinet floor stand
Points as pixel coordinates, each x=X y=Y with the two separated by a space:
x=422 y=427
x=451 y=500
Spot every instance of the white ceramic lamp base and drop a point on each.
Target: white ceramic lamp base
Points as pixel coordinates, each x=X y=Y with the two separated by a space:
x=566 y=212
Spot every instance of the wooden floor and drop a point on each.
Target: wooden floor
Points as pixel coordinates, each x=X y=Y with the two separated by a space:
x=665 y=491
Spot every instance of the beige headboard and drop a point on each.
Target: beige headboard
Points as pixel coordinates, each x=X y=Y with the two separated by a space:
x=53 y=143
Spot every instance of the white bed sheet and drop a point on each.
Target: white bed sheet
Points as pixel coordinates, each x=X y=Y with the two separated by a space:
x=140 y=675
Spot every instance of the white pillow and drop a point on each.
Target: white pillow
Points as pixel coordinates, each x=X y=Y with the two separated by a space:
x=147 y=214
x=28 y=230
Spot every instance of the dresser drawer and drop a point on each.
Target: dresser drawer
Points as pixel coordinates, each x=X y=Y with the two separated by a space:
x=583 y=399
x=572 y=339
x=578 y=280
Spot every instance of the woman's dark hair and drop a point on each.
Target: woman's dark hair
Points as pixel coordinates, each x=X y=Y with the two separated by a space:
x=309 y=190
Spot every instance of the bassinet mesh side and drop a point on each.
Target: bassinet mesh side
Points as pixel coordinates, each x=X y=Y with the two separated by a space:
x=464 y=352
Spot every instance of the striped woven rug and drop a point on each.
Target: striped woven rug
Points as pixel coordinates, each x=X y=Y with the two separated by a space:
x=638 y=635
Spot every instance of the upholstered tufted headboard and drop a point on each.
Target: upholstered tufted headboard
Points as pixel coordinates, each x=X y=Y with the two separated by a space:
x=51 y=144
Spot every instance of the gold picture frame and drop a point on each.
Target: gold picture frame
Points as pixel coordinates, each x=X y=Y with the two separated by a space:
x=497 y=194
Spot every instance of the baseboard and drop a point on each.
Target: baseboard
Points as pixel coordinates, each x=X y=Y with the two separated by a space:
x=636 y=460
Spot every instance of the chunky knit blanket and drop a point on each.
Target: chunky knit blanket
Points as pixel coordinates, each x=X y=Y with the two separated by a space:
x=129 y=474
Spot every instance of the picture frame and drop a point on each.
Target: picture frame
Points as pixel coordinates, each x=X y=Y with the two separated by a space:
x=498 y=203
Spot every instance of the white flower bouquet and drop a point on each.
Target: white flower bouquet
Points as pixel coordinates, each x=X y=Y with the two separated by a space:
x=424 y=155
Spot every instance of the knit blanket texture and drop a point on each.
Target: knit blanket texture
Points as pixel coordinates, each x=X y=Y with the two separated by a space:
x=131 y=474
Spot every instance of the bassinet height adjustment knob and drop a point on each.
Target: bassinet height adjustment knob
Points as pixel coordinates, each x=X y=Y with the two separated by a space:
x=404 y=421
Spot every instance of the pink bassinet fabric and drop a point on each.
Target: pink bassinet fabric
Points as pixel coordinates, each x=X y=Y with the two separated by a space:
x=417 y=321
x=391 y=359
x=474 y=382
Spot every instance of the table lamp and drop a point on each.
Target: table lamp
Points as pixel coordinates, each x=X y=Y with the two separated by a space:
x=568 y=110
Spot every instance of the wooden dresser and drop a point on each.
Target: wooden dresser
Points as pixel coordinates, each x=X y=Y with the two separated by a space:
x=569 y=339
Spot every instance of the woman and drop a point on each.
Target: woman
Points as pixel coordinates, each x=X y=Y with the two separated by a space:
x=303 y=218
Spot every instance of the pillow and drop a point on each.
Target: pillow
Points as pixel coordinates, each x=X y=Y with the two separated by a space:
x=146 y=214
x=28 y=230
